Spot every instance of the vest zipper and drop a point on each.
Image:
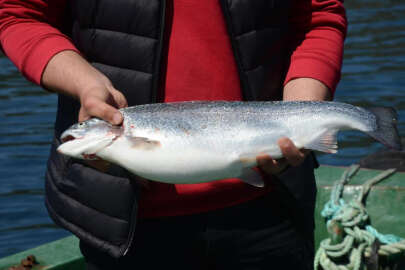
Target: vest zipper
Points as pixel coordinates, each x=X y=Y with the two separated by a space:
x=132 y=227
x=158 y=59
x=154 y=98
x=246 y=91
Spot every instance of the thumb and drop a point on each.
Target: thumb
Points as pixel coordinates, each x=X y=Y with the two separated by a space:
x=102 y=110
x=83 y=115
x=118 y=98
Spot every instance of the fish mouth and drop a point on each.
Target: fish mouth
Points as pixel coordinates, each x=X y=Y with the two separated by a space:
x=67 y=138
x=74 y=146
x=83 y=147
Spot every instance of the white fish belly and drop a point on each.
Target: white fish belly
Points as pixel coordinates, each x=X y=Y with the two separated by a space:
x=170 y=165
x=215 y=156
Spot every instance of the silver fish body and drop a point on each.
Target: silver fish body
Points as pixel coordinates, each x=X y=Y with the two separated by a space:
x=193 y=142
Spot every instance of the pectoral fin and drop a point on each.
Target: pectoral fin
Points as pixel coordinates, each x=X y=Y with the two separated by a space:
x=143 y=143
x=326 y=142
x=251 y=177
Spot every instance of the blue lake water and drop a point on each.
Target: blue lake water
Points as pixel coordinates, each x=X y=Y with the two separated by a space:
x=373 y=75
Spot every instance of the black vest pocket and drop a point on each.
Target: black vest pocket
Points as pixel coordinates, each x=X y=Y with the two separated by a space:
x=97 y=207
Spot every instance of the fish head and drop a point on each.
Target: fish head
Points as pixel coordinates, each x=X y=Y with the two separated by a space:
x=83 y=140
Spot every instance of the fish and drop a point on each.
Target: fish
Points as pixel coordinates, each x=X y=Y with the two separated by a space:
x=204 y=141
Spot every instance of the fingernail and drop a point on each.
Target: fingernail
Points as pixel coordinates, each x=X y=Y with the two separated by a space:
x=117 y=118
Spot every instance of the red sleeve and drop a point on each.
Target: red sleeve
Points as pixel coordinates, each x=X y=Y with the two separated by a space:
x=319 y=28
x=29 y=34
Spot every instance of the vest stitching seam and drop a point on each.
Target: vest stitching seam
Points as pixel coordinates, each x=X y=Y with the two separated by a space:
x=75 y=200
x=257 y=30
x=84 y=231
x=117 y=31
x=244 y=80
x=255 y=68
x=123 y=68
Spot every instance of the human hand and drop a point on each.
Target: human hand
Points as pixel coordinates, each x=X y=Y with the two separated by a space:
x=295 y=90
x=101 y=100
x=292 y=156
x=70 y=74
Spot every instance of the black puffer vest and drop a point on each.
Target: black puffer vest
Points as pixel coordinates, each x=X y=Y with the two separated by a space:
x=125 y=40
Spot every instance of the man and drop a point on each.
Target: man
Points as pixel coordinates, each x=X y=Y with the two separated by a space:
x=100 y=55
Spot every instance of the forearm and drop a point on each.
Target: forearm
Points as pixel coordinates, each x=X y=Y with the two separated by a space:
x=306 y=89
x=297 y=89
x=69 y=73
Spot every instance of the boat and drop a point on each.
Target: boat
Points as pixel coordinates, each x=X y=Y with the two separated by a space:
x=385 y=206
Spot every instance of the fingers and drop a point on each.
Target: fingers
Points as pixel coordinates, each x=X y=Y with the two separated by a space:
x=292 y=156
x=102 y=102
x=95 y=107
x=269 y=165
x=119 y=98
x=291 y=153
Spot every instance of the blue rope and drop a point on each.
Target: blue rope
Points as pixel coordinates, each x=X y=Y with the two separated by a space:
x=330 y=209
x=336 y=205
x=384 y=238
x=348 y=228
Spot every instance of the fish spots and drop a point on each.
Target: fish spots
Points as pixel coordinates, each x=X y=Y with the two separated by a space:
x=184 y=127
x=142 y=143
x=185 y=130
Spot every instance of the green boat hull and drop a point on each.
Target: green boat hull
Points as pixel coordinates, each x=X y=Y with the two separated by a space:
x=385 y=205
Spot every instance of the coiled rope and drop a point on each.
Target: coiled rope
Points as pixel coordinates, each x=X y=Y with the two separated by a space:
x=352 y=238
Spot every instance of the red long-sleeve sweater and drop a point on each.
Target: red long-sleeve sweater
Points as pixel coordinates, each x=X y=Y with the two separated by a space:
x=199 y=50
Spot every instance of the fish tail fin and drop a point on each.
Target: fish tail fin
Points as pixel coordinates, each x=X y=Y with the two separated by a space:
x=386 y=132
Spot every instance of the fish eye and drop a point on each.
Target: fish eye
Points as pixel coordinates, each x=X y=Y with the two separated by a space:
x=82 y=124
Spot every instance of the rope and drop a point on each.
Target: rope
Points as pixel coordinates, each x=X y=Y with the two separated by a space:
x=388 y=250
x=351 y=236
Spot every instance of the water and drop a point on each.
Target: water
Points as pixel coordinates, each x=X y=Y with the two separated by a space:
x=26 y=116
x=373 y=70
x=373 y=74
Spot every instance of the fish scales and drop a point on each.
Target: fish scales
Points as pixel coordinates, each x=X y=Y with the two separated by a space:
x=212 y=125
x=223 y=120
x=245 y=110
x=192 y=142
